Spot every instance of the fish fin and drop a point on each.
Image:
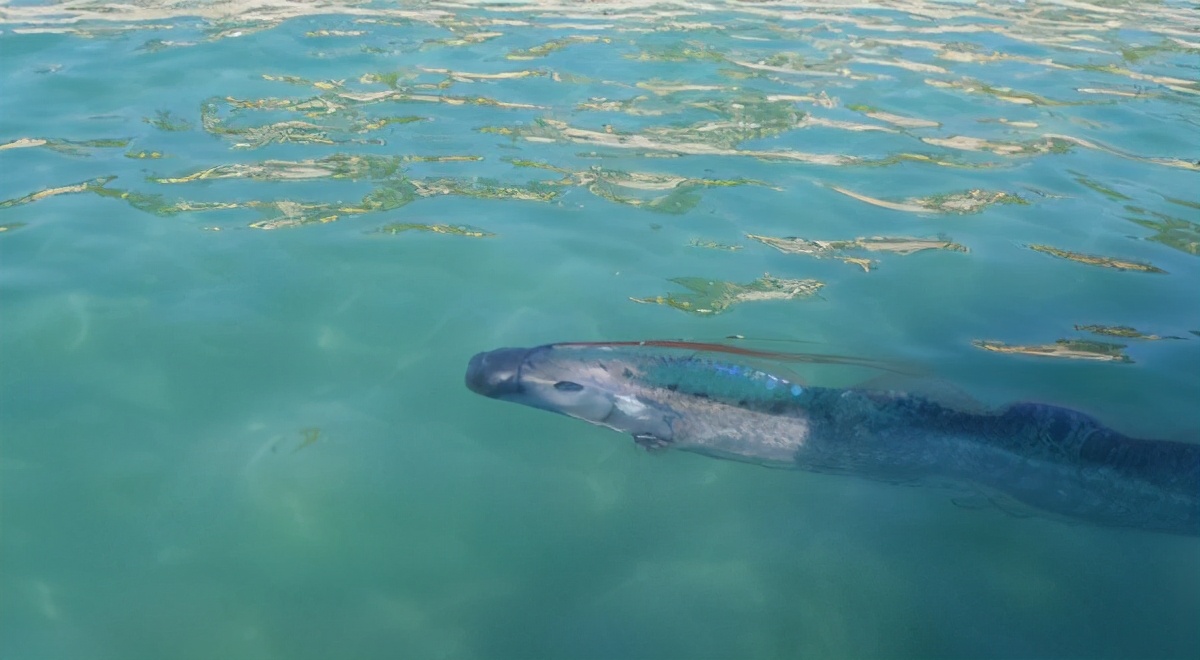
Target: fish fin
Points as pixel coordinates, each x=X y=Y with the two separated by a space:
x=981 y=498
x=650 y=442
x=780 y=356
x=980 y=501
x=933 y=389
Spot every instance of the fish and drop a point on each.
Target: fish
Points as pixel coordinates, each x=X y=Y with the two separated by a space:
x=714 y=400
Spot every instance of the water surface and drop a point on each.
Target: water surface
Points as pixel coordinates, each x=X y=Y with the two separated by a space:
x=245 y=259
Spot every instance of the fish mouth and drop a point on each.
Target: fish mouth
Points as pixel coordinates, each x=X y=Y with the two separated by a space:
x=497 y=373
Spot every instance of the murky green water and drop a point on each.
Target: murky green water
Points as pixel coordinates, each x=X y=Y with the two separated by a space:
x=244 y=260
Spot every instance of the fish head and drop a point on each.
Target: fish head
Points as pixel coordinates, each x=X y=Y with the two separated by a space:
x=588 y=384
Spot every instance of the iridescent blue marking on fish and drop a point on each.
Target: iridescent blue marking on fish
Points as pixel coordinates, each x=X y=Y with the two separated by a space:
x=797 y=390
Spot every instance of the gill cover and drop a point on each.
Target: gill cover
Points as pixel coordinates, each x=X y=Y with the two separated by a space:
x=595 y=384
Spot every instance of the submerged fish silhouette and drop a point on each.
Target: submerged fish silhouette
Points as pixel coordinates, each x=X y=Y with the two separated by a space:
x=698 y=398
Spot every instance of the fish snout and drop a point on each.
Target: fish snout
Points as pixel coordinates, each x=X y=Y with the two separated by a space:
x=496 y=373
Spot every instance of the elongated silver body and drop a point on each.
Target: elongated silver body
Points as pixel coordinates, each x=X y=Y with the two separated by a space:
x=1055 y=460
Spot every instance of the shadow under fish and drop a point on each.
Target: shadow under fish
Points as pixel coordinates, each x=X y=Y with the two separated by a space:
x=709 y=399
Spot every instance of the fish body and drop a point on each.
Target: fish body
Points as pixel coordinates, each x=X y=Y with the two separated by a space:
x=1059 y=461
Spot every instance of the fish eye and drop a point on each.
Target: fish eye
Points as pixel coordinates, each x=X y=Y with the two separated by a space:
x=567 y=386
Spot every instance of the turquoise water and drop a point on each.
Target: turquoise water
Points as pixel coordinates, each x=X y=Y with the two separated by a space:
x=246 y=258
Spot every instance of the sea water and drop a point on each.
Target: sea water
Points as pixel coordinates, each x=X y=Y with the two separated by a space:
x=248 y=249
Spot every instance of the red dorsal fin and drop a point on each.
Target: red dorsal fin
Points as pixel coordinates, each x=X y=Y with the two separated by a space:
x=714 y=347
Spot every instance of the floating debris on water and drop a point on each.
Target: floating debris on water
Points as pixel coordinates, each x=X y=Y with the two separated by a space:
x=1076 y=349
x=1096 y=260
x=715 y=296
